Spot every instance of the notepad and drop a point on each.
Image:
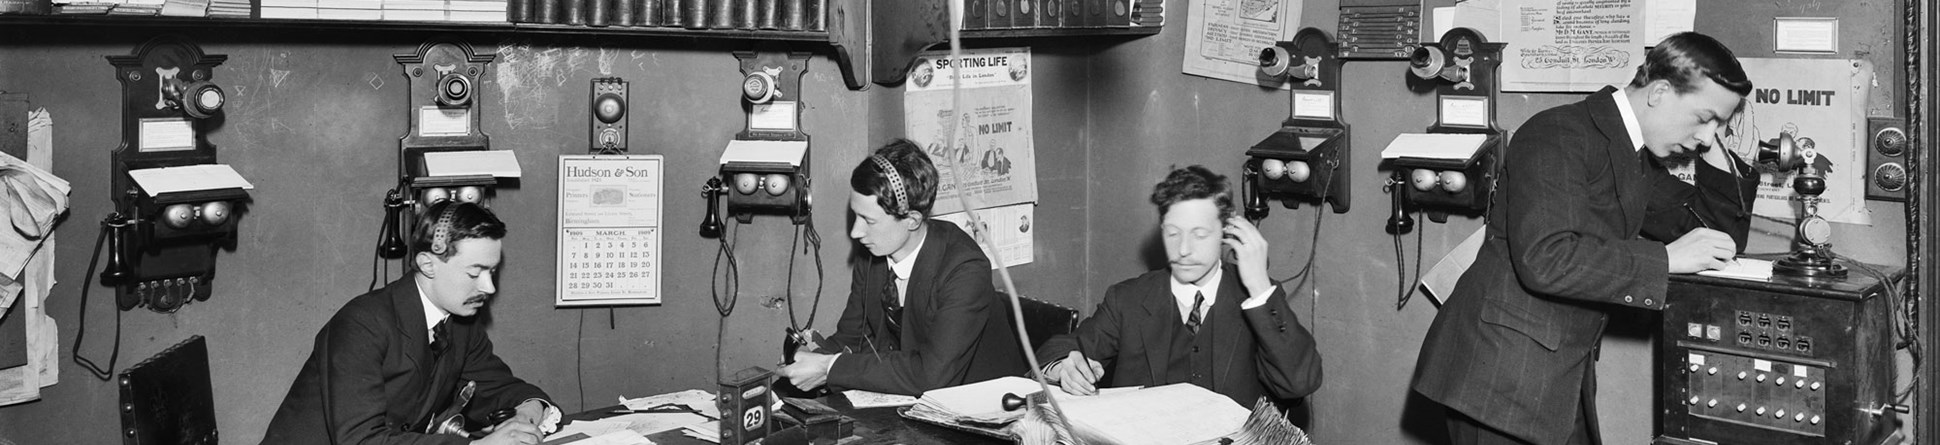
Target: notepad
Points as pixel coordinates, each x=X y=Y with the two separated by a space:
x=155 y=181
x=1751 y=269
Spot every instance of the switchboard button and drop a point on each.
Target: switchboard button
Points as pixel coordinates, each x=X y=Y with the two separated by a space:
x=1714 y=371
x=1784 y=323
x=1741 y=407
x=1815 y=420
x=1694 y=330
x=1815 y=386
x=1744 y=318
x=1712 y=332
x=1694 y=368
x=1764 y=320
x=1711 y=404
x=1760 y=411
x=1694 y=400
x=1781 y=381
x=1741 y=375
x=1779 y=415
x=1800 y=383
x=1800 y=417
x=1761 y=378
x=1744 y=338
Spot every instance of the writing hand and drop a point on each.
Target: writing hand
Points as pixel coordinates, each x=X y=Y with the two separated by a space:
x=1700 y=249
x=1077 y=374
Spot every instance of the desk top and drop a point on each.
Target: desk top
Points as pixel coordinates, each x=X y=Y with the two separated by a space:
x=873 y=426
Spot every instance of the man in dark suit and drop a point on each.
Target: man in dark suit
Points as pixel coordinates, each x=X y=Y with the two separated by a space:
x=1512 y=353
x=390 y=367
x=921 y=314
x=1223 y=326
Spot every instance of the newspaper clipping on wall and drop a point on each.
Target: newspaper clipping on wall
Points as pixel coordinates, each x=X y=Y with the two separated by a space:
x=1224 y=37
x=1582 y=45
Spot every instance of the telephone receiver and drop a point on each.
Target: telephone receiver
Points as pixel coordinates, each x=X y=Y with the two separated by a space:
x=711 y=225
x=1399 y=222
x=115 y=228
x=392 y=244
x=1781 y=152
x=1256 y=208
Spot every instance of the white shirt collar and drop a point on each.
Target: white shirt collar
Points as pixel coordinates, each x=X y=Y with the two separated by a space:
x=432 y=313
x=1630 y=126
x=1184 y=293
x=903 y=268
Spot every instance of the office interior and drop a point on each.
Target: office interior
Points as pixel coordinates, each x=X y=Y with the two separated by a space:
x=314 y=116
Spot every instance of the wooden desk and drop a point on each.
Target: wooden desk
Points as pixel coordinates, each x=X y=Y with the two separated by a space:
x=873 y=426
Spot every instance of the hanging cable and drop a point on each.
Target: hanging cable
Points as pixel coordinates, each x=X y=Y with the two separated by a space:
x=81 y=330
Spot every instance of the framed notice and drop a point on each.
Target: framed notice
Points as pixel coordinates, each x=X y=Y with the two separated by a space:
x=609 y=230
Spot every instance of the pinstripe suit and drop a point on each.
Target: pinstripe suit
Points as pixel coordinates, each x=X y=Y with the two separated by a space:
x=1514 y=346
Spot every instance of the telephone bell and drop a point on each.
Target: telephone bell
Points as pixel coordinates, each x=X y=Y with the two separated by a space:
x=454 y=90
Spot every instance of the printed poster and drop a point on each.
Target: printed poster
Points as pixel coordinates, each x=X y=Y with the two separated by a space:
x=1224 y=37
x=986 y=150
x=1007 y=229
x=1819 y=103
x=609 y=230
x=1571 y=45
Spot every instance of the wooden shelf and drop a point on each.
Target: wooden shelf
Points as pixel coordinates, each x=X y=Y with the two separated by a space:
x=906 y=27
x=844 y=35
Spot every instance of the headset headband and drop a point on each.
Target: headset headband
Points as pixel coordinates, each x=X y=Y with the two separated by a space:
x=895 y=185
x=441 y=232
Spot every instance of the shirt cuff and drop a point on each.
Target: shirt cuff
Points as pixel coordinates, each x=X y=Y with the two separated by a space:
x=831 y=365
x=1046 y=372
x=1260 y=299
x=551 y=423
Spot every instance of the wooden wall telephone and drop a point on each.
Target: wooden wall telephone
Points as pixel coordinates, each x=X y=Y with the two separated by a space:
x=174 y=205
x=1307 y=159
x=444 y=154
x=1461 y=68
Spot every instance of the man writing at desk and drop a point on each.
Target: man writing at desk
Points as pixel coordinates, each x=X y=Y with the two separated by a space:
x=921 y=314
x=388 y=367
x=1223 y=326
x=1512 y=353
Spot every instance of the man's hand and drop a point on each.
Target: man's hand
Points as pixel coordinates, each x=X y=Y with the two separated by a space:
x=1250 y=248
x=1701 y=249
x=532 y=412
x=1718 y=155
x=810 y=370
x=1077 y=374
x=511 y=432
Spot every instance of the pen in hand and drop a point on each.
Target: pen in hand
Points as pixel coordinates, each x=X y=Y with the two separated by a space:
x=1707 y=224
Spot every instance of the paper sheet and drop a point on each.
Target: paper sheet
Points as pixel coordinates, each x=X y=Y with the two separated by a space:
x=871 y=399
x=498 y=163
x=155 y=181
x=693 y=398
x=776 y=152
x=1439 y=281
x=1665 y=17
x=1751 y=269
x=981 y=397
x=1172 y=414
x=1224 y=37
x=1434 y=146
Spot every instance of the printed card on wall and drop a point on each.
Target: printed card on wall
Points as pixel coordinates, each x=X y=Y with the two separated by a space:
x=609 y=230
x=990 y=142
x=1008 y=229
x=1819 y=103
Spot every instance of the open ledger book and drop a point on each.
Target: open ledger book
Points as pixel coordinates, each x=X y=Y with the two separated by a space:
x=1164 y=415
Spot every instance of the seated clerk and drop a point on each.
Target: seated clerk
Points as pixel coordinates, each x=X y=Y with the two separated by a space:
x=388 y=367
x=922 y=313
x=1223 y=326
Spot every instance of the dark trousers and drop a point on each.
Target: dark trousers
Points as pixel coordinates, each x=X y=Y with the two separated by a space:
x=1465 y=430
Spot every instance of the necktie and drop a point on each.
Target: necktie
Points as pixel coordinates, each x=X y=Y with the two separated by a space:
x=892 y=310
x=1192 y=320
x=439 y=334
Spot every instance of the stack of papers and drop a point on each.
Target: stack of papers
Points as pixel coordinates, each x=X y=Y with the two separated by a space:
x=621 y=437
x=982 y=401
x=702 y=432
x=1180 y=413
x=702 y=401
x=237 y=9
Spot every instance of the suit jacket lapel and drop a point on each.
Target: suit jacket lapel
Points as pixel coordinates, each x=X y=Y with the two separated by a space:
x=1228 y=324
x=409 y=312
x=1160 y=309
x=1624 y=166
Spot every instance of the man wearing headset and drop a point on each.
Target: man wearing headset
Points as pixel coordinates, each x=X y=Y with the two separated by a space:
x=922 y=313
x=1512 y=354
x=395 y=366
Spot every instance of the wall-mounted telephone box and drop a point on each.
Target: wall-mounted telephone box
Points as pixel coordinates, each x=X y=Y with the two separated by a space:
x=609 y=132
x=765 y=168
x=444 y=154
x=1461 y=69
x=175 y=205
x=1307 y=159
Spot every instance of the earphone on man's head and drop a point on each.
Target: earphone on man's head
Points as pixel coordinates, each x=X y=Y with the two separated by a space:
x=441 y=232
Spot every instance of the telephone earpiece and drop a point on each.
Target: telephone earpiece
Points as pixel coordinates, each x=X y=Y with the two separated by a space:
x=1256 y=208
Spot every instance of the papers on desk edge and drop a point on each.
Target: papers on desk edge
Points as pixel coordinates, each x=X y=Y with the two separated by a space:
x=1454 y=146
x=1750 y=269
x=1173 y=414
